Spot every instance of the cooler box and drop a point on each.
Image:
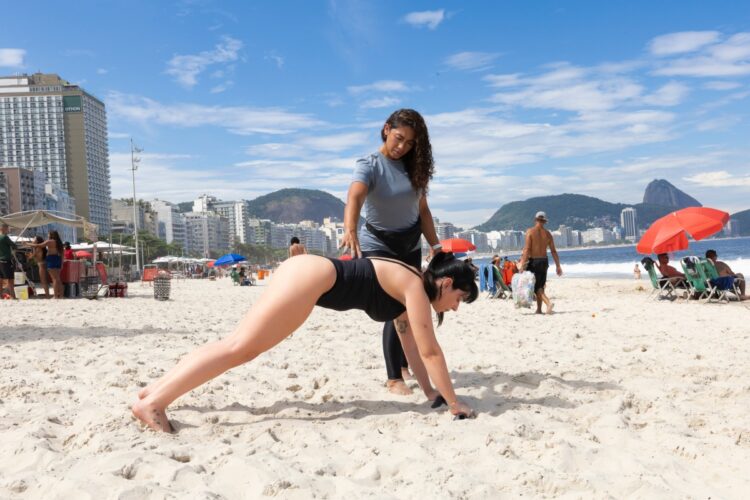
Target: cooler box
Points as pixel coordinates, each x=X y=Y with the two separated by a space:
x=22 y=292
x=19 y=278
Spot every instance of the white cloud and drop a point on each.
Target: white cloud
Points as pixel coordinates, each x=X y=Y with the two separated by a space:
x=379 y=86
x=241 y=120
x=730 y=58
x=186 y=68
x=277 y=59
x=336 y=143
x=118 y=135
x=678 y=43
x=669 y=94
x=500 y=81
x=382 y=102
x=721 y=85
x=720 y=178
x=217 y=89
x=428 y=18
x=101 y=71
x=471 y=61
x=12 y=58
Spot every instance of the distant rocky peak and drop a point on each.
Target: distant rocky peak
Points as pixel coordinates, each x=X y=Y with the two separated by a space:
x=661 y=192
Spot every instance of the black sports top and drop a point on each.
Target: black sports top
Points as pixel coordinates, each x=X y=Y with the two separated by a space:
x=357 y=287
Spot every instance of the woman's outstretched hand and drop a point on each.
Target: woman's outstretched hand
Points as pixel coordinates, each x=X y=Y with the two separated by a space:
x=351 y=243
x=461 y=410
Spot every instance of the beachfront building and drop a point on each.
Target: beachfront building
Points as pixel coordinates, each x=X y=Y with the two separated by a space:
x=206 y=231
x=4 y=210
x=171 y=222
x=122 y=216
x=56 y=127
x=732 y=228
x=597 y=235
x=444 y=230
x=334 y=230
x=235 y=212
x=58 y=200
x=313 y=237
x=628 y=221
x=24 y=190
x=259 y=231
x=478 y=238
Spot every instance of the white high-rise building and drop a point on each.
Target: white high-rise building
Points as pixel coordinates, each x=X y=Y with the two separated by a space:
x=171 y=221
x=628 y=220
x=236 y=214
x=206 y=231
x=52 y=125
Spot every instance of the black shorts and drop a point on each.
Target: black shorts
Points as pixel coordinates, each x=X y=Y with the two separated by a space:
x=539 y=268
x=6 y=270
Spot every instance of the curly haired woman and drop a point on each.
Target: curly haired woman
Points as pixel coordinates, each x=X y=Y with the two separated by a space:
x=392 y=186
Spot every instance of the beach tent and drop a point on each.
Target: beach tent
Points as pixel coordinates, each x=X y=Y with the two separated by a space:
x=36 y=218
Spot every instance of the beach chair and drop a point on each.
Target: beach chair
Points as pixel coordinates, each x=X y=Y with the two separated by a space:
x=720 y=286
x=698 y=286
x=664 y=288
x=502 y=290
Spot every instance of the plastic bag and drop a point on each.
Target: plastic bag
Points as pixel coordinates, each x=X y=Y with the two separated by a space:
x=523 y=289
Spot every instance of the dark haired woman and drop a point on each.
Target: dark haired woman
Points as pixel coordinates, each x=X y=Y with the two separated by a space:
x=54 y=246
x=40 y=257
x=385 y=289
x=392 y=186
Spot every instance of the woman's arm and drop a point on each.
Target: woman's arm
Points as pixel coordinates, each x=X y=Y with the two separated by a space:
x=412 y=356
x=428 y=225
x=418 y=311
x=354 y=201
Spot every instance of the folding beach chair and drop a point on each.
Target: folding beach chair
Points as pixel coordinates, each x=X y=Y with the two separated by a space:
x=720 y=286
x=698 y=286
x=664 y=288
x=503 y=290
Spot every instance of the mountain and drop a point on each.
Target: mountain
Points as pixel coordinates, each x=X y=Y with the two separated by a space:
x=661 y=192
x=574 y=210
x=294 y=205
x=744 y=220
x=185 y=207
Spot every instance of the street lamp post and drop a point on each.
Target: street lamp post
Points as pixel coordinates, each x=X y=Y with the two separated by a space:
x=134 y=161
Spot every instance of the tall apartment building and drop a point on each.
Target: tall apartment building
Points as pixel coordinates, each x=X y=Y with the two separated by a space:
x=51 y=125
x=171 y=222
x=4 y=205
x=58 y=200
x=206 y=231
x=628 y=221
x=122 y=216
x=235 y=212
x=24 y=189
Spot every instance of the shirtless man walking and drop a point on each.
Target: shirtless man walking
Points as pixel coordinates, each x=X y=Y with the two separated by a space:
x=296 y=248
x=534 y=259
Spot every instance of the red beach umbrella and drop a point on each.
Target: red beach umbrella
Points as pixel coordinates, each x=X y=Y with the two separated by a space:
x=210 y=263
x=83 y=254
x=457 y=245
x=670 y=233
x=345 y=256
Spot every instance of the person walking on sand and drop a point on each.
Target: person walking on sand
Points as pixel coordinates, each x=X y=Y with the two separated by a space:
x=296 y=248
x=534 y=258
x=392 y=185
x=6 y=261
x=386 y=289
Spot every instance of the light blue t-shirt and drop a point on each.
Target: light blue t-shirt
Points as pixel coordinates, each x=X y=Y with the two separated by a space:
x=392 y=204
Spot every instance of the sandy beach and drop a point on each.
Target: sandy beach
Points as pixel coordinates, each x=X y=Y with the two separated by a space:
x=616 y=395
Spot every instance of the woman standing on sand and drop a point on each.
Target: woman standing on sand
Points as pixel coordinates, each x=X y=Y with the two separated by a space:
x=385 y=289
x=54 y=247
x=392 y=186
x=40 y=257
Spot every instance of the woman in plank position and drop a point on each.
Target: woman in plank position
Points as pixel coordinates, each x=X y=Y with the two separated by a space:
x=385 y=289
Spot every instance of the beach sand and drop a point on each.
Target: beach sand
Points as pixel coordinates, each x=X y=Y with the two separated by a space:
x=616 y=395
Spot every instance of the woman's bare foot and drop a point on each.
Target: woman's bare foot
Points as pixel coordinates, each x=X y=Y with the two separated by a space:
x=550 y=307
x=150 y=415
x=398 y=387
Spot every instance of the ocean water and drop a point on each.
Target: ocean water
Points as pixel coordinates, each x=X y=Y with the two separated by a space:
x=618 y=262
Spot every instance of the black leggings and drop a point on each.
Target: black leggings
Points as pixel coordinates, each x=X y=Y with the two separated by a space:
x=395 y=359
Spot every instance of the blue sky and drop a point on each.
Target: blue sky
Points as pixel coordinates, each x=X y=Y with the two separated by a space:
x=522 y=99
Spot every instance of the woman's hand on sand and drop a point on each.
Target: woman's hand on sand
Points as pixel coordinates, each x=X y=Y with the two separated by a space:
x=459 y=408
x=351 y=242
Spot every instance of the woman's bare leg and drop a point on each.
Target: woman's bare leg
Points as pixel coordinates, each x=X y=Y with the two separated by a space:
x=296 y=287
x=43 y=279
x=56 y=284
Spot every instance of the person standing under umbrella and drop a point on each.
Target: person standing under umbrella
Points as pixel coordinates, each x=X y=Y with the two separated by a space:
x=392 y=186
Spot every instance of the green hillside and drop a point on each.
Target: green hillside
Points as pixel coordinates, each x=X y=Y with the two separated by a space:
x=573 y=210
x=294 y=205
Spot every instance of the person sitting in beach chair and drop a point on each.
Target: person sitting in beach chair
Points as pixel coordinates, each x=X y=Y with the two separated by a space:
x=384 y=288
x=698 y=284
x=664 y=287
x=669 y=272
x=722 y=269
